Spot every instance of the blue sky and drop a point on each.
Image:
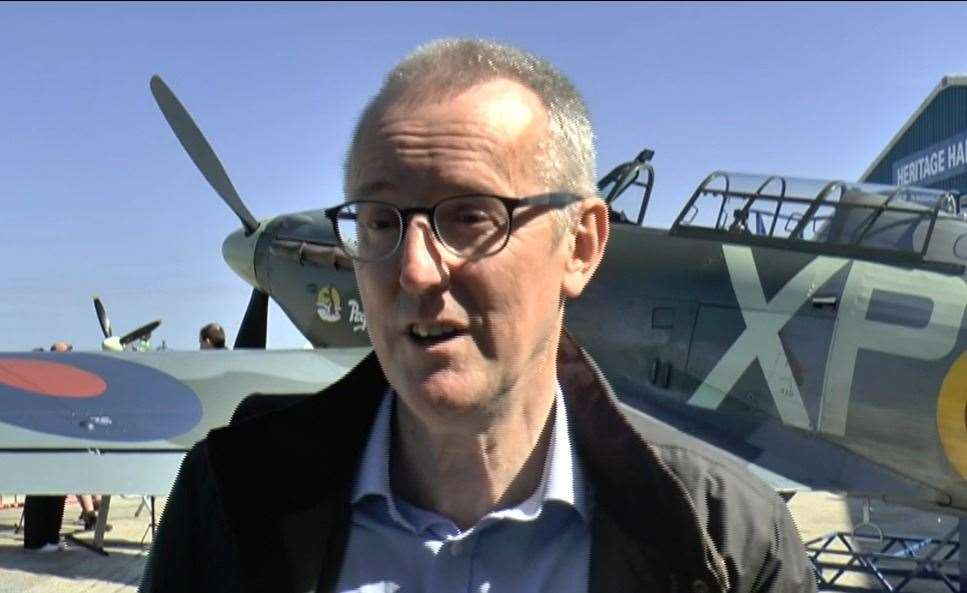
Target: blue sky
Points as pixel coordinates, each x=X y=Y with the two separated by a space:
x=99 y=198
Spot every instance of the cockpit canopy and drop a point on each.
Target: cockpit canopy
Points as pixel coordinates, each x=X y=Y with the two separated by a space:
x=841 y=217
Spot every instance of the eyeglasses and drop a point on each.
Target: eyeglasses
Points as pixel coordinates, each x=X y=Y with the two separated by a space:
x=470 y=226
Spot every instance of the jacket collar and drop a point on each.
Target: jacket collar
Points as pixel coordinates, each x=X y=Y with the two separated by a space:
x=641 y=507
x=307 y=455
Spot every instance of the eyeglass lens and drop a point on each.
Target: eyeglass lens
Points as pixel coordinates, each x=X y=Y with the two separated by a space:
x=469 y=226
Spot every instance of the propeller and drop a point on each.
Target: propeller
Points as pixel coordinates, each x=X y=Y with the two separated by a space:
x=102 y=317
x=111 y=342
x=200 y=151
x=144 y=330
x=252 y=332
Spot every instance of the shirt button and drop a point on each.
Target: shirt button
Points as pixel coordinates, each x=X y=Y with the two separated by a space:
x=456 y=548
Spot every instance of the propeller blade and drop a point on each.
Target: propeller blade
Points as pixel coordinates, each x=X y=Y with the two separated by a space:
x=142 y=331
x=200 y=151
x=102 y=317
x=251 y=334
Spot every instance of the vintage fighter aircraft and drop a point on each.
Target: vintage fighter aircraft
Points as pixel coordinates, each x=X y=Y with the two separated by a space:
x=114 y=343
x=812 y=330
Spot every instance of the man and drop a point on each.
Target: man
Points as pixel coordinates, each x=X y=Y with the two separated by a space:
x=478 y=448
x=211 y=337
x=44 y=515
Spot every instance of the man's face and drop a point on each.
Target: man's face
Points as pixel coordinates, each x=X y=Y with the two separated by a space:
x=500 y=314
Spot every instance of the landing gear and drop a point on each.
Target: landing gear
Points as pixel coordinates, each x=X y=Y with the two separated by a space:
x=867 y=522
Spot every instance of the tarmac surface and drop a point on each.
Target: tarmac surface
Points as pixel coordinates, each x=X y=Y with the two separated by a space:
x=78 y=569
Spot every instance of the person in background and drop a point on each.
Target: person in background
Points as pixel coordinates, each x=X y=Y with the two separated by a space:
x=89 y=507
x=211 y=337
x=43 y=514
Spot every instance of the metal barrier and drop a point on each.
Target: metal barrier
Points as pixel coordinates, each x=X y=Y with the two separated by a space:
x=894 y=561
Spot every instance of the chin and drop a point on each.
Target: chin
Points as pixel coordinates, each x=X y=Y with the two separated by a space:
x=445 y=393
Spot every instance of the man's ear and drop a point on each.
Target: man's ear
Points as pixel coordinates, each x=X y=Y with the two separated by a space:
x=589 y=235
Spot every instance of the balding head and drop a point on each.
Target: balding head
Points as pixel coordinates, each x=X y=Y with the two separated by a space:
x=445 y=68
x=505 y=120
x=61 y=346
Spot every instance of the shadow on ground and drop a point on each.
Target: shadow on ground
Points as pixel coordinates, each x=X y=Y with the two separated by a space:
x=76 y=568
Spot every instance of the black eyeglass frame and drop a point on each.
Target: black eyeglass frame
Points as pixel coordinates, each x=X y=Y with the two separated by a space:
x=554 y=199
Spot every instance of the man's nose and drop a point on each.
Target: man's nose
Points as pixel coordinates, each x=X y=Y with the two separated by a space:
x=422 y=265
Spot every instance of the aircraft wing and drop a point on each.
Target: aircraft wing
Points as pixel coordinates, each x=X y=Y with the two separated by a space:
x=787 y=461
x=121 y=422
x=664 y=433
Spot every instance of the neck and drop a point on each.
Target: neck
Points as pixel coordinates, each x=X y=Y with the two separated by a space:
x=464 y=474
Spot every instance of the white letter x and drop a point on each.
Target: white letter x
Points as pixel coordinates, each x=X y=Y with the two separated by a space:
x=760 y=339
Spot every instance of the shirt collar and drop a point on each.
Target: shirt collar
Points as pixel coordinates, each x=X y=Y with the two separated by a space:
x=373 y=477
x=562 y=479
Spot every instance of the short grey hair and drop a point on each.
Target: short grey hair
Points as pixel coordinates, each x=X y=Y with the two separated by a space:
x=446 y=67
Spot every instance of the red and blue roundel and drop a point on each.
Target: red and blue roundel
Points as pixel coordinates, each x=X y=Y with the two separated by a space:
x=89 y=396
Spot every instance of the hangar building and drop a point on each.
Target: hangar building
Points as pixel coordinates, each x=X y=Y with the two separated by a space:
x=930 y=150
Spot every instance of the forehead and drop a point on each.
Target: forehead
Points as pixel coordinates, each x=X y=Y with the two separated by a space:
x=483 y=138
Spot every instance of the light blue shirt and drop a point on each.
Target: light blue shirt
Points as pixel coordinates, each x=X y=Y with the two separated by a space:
x=542 y=544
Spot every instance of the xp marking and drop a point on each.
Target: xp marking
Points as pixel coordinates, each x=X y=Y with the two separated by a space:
x=855 y=331
x=760 y=339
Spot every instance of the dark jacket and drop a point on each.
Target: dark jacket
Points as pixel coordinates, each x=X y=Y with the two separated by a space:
x=668 y=516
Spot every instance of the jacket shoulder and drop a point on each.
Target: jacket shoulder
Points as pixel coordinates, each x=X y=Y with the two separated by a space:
x=192 y=536
x=707 y=472
x=747 y=521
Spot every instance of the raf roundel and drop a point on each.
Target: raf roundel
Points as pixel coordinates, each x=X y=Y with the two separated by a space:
x=952 y=415
x=95 y=397
x=54 y=379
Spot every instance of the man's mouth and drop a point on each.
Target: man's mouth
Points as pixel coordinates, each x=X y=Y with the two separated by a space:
x=432 y=333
